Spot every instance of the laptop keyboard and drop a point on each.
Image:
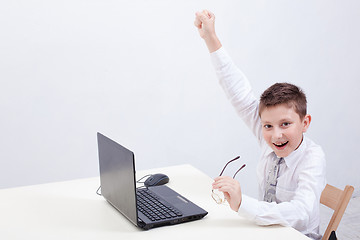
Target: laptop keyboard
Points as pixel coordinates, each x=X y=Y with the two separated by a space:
x=149 y=204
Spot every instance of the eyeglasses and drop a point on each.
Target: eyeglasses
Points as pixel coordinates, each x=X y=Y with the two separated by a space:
x=217 y=195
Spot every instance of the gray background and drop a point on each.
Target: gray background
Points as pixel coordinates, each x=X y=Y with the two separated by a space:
x=138 y=72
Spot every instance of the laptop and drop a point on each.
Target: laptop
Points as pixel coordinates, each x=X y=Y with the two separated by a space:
x=118 y=187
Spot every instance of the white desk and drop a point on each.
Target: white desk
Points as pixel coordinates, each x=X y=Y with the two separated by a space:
x=72 y=210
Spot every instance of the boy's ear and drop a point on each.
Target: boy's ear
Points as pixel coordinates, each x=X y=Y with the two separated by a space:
x=306 y=122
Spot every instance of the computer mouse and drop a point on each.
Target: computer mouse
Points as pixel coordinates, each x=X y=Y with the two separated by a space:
x=156 y=180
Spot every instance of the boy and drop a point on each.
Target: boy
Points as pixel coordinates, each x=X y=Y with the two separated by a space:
x=291 y=171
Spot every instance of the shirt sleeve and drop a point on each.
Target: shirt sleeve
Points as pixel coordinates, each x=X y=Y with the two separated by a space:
x=237 y=89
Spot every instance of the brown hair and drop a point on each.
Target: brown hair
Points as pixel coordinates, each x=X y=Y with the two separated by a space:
x=284 y=93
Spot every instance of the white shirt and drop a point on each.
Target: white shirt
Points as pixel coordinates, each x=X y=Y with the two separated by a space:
x=301 y=177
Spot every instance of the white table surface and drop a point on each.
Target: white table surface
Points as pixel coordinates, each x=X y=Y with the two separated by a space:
x=72 y=210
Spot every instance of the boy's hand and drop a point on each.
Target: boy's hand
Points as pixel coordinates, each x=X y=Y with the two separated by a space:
x=205 y=23
x=231 y=189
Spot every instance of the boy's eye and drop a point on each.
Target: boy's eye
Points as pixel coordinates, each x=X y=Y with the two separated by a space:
x=286 y=124
x=267 y=126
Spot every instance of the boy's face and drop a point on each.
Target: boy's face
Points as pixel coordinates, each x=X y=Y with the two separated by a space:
x=283 y=129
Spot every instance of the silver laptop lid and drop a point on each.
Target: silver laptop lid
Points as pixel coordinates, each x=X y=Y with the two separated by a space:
x=117 y=176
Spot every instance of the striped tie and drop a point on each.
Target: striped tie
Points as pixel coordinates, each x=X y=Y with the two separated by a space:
x=270 y=188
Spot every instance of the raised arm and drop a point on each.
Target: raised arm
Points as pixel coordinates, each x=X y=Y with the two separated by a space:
x=233 y=81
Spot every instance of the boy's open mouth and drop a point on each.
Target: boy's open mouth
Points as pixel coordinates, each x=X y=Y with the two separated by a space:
x=281 y=145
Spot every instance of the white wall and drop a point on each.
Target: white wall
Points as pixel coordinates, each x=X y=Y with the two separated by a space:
x=138 y=72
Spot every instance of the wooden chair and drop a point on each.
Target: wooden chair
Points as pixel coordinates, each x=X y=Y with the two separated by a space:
x=337 y=200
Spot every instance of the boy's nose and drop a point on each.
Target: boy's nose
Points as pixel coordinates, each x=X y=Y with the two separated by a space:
x=278 y=134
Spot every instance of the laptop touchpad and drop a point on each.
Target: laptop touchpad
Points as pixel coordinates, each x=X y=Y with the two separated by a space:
x=169 y=195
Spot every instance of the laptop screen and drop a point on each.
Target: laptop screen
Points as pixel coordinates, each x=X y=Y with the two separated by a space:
x=117 y=176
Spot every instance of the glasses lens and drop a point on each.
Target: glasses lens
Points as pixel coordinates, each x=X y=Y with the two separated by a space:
x=218 y=196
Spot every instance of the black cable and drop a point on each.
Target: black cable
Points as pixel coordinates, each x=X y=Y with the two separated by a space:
x=138 y=181
x=97 y=191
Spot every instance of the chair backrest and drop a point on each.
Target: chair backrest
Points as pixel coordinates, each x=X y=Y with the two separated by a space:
x=337 y=200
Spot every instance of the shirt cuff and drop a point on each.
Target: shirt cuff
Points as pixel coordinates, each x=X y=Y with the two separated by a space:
x=219 y=58
x=248 y=207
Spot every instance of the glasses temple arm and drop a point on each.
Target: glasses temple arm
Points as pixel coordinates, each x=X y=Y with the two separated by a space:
x=228 y=164
x=239 y=170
